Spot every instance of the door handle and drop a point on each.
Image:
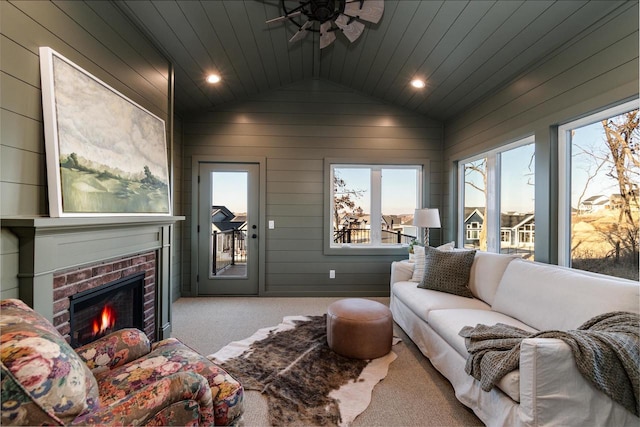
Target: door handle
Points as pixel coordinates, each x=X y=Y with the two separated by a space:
x=253 y=236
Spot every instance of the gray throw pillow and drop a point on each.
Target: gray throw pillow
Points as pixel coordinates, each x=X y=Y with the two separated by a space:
x=448 y=271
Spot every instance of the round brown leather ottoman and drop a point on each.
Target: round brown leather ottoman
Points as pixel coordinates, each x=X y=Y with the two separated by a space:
x=359 y=328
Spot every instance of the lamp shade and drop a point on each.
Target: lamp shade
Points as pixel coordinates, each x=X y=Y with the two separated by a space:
x=427 y=218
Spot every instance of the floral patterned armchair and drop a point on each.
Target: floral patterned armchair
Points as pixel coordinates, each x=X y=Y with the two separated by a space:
x=119 y=379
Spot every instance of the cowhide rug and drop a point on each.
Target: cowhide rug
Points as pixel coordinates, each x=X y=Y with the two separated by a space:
x=304 y=381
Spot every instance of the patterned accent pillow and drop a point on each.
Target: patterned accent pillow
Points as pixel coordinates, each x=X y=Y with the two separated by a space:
x=418 y=254
x=448 y=271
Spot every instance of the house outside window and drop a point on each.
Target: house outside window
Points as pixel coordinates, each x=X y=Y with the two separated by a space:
x=496 y=200
x=599 y=180
x=372 y=205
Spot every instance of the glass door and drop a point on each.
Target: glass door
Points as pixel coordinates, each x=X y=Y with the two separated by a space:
x=228 y=229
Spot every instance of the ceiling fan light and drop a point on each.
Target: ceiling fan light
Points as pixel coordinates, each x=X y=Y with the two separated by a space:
x=371 y=10
x=213 y=78
x=418 y=83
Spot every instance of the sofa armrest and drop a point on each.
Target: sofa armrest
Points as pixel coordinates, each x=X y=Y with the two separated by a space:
x=554 y=392
x=113 y=350
x=401 y=271
x=140 y=406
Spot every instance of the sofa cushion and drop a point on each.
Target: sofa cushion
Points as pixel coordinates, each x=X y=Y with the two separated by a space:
x=448 y=323
x=44 y=365
x=419 y=259
x=486 y=271
x=401 y=271
x=422 y=301
x=549 y=297
x=448 y=271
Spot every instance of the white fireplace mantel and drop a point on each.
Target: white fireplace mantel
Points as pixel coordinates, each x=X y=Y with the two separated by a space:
x=49 y=245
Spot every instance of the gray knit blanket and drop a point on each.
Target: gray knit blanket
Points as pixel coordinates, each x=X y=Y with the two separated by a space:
x=606 y=349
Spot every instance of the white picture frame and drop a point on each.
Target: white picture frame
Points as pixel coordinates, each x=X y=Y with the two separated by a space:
x=106 y=155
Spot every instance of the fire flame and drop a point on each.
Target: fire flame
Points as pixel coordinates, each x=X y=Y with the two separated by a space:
x=106 y=320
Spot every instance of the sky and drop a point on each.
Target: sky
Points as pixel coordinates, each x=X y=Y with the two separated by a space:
x=516 y=177
x=399 y=189
x=230 y=189
x=592 y=138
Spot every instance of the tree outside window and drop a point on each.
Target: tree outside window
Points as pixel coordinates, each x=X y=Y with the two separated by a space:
x=475 y=203
x=604 y=195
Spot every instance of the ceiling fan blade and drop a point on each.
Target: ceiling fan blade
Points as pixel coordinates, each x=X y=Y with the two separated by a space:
x=326 y=37
x=351 y=30
x=283 y=18
x=370 y=11
x=302 y=32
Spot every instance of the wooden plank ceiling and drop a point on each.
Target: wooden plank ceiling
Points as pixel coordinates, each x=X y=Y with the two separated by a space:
x=464 y=50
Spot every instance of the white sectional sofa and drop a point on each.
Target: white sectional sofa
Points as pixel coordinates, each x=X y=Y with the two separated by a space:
x=548 y=389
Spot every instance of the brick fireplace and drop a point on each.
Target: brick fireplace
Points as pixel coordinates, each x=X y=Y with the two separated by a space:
x=68 y=283
x=63 y=256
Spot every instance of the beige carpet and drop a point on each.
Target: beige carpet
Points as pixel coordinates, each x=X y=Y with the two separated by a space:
x=412 y=394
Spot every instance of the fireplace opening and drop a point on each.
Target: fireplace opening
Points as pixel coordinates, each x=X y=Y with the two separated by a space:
x=108 y=308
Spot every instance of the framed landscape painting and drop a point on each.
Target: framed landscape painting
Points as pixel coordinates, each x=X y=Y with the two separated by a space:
x=106 y=155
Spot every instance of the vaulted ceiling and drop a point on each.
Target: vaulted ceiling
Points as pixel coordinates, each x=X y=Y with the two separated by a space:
x=464 y=50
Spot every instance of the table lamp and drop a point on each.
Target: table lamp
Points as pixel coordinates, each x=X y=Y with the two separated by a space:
x=426 y=218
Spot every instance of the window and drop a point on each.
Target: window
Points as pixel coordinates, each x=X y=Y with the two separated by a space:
x=473 y=231
x=475 y=202
x=372 y=206
x=598 y=195
x=526 y=234
x=496 y=200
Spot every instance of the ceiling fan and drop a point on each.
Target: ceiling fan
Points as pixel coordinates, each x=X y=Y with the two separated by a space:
x=331 y=16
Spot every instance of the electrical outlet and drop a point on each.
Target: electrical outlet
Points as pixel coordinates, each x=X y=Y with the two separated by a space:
x=332 y=274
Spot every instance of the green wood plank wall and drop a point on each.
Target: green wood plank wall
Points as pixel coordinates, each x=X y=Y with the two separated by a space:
x=176 y=239
x=295 y=128
x=84 y=33
x=596 y=69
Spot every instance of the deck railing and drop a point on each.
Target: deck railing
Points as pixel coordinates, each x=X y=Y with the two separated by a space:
x=228 y=248
x=363 y=235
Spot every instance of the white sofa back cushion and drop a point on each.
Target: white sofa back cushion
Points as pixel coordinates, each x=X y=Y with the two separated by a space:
x=548 y=297
x=486 y=272
x=420 y=260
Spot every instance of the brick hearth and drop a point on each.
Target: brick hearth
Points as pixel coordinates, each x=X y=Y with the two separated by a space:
x=70 y=282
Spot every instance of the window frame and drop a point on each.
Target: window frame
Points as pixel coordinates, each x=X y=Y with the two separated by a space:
x=492 y=221
x=357 y=249
x=564 y=172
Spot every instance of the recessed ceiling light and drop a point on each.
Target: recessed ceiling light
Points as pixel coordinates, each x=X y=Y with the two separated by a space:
x=213 y=78
x=417 y=83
